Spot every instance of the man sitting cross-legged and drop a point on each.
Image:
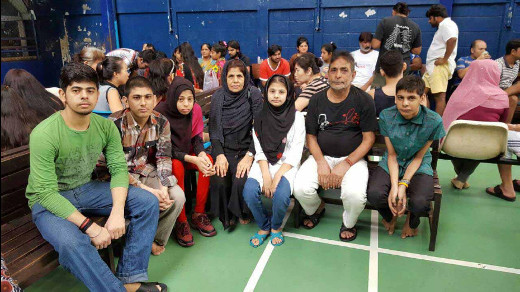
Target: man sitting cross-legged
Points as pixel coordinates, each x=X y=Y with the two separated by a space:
x=145 y=135
x=64 y=150
x=340 y=129
x=409 y=129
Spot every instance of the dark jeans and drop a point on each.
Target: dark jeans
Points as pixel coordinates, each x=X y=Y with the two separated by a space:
x=419 y=192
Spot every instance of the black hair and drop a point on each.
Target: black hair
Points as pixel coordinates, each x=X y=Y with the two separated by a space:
x=513 y=44
x=402 y=8
x=160 y=69
x=207 y=45
x=148 y=55
x=234 y=44
x=78 y=72
x=189 y=58
x=301 y=40
x=411 y=83
x=273 y=49
x=344 y=55
x=437 y=10
x=150 y=46
x=280 y=79
x=474 y=43
x=330 y=47
x=392 y=63
x=135 y=82
x=366 y=36
x=308 y=60
x=219 y=47
x=108 y=67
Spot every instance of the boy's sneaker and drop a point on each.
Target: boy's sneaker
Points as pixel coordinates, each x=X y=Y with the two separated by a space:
x=203 y=224
x=183 y=234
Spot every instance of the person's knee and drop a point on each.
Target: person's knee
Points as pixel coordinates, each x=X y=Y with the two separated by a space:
x=418 y=205
x=144 y=199
x=71 y=245
x=282 y=195
x=376 y=198
x=513 y=100
x=177 y=194
x=354 y=196
x=250 y=191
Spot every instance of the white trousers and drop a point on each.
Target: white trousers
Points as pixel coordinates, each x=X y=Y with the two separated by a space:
x=353 y=188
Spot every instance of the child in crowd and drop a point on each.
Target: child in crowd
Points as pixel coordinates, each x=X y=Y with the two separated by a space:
x=279 y=138
x=113 y=73
x=139 y=124
x=405 y=170
x=218 y=53
x=392 y=69
x=326 y=55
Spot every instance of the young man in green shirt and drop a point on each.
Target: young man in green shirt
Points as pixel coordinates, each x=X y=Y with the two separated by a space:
x=64 y=151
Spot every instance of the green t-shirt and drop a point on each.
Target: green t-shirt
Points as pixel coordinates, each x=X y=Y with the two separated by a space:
x=62 y=159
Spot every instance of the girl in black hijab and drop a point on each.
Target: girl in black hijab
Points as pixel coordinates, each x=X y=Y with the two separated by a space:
x=231 y=119
x=279 y=138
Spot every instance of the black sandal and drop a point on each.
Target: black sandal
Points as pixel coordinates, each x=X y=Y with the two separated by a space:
x=516 y=185
x=314 y=218
x=497 y=192
x=152 y=287
x=343 y=229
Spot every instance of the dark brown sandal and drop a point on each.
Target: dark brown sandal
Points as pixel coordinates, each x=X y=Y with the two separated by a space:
x=497 y=192
x=314 y=218
x=343 y=229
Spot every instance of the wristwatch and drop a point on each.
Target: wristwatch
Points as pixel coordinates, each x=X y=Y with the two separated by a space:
x=249 y=154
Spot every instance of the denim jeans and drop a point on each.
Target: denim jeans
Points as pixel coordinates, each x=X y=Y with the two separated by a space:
x=281 y=200
x=80 y=257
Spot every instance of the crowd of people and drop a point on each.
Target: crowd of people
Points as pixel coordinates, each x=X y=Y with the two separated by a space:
x=328 y=107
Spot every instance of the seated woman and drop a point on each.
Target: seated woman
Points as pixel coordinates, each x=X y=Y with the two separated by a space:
x=279 y=138
x=302 y=46
x=218 y=53
x=409 y=129
x=231 y=119
x=17 y=120
x=162 y=72
x=191 y=68
x=308 y=78
x=36 y=97
x=89 y=56
x=479 y=98
x=205 y=61
x=113 y=72
x=188 y=153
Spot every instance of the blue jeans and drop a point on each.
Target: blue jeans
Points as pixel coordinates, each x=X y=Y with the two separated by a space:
x=281 y=200
x=80 y=257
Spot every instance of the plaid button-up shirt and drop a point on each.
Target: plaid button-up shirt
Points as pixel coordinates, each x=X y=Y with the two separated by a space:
x=146 y=149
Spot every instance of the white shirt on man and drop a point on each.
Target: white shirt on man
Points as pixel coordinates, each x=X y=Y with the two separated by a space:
x=365 y=66
x=447 y=29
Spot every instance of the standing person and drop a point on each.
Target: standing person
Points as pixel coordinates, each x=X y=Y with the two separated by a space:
x=162 y=72
x=440 y=60
x=405 y=169
x=192 y=70
x=64 y=151
x=231 y=119
x=218 y=53
x=326 y=55
x=509 y=66
x=308 y=78
x=273 y=65
x=396 y=32
x=279 y=138
x=137 y=62
x=89 y=56
x=234 y=52
x=205 y=61
x=188 y=153
x=340 y=125
x=366 y=59
x=37 y=98
x=113 y=73
x=139 y=124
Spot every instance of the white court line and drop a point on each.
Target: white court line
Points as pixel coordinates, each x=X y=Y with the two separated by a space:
x=408 y=254
x=260 y=266
x=373 y=263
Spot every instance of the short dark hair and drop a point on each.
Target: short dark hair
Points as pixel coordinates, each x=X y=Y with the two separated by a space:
x=411 y=83
x=273 y=49
x=219 y=47
x=402 y=8
x=135 y=82
x=513 y=44
x=343 y=55
x=366 y=36
x=148 y=55
x=474 y=43
x=207 y=45
x=77 y=72
x=234 y=44
x=308 y=60
x=437 y=10
x=392 y=63
x=330 y=47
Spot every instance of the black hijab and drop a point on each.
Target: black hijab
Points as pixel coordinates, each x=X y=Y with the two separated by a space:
x=231 y=111
x=180 y=124
x=273 y=123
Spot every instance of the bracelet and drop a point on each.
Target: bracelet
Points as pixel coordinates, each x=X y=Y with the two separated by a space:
x=85 y=225
x=349 y=162
x=404 y=182
x=100 y=230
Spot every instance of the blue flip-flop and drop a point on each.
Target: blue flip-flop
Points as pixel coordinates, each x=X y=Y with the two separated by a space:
x=277 y=235
x=261 y=238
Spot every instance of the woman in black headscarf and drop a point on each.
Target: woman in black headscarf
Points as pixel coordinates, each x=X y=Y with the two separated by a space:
x=279 y=138
x=231 y=119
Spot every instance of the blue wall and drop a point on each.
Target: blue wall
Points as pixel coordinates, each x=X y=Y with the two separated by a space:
x=255 y=24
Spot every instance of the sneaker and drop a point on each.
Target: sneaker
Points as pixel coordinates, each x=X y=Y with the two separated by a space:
x=183 y=234
x=202 y=223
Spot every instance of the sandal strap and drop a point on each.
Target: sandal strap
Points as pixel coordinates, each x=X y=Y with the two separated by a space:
x=151 y=287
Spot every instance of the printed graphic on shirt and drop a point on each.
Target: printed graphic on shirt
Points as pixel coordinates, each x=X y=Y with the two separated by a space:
x=400 y=39
x=350 y=118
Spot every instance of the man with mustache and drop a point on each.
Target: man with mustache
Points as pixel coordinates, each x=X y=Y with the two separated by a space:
x=366 y=59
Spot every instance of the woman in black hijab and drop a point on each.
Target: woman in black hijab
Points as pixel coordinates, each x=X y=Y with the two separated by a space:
x=231 y=119
x=279 y=138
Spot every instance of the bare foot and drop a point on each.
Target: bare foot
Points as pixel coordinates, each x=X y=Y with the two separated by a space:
x=407 y=231
x=255 y=241
x=244 y=221
x=390 y=226
x=157 y=249
x=308 y=222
